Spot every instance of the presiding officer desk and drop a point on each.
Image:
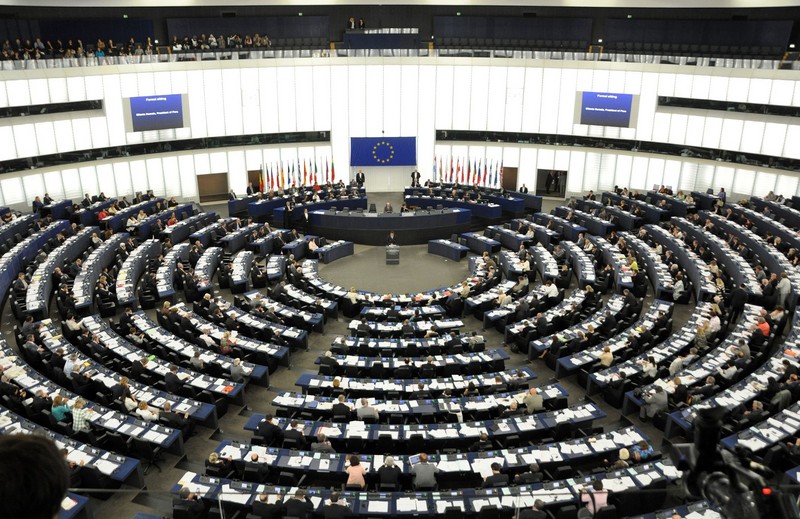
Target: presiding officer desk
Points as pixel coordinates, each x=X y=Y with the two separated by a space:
x=480 y=209
x=373 y=228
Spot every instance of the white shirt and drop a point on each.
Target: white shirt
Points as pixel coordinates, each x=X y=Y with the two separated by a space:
x=551 y=291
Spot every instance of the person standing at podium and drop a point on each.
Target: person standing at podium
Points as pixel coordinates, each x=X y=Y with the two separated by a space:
x=391 y=240
x=360 y=178
x=415 y=176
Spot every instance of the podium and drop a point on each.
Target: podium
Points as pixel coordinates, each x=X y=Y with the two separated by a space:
x=392 y=255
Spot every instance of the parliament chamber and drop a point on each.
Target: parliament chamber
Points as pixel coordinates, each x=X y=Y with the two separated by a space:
x=536 y=261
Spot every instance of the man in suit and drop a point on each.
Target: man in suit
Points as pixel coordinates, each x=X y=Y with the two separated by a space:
x=269 y=431
x=360 y=178
x=250 y=189
x=190 y=502
x=335 y=509
x=341 y=408
x=537 y=512
x=388 y=208
x=261 y=469
x=496 y=479
x=391 y=240
x=177 y=421
x=523 y=189
x=738 y=299
x=20 y=284
x=299 y=505
x=329 y=360
x=295 y=432
x=87 y=200
x=415 y=176
x=263 y=509
x=172 y=381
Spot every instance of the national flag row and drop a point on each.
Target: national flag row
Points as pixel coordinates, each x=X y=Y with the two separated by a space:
x=284 y=174
x=472 y=171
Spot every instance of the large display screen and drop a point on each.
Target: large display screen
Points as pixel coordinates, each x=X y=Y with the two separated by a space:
x=157 y=112
x=606 y=109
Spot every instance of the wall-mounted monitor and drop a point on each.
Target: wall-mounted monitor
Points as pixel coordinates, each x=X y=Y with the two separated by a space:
x=606 y=109
x=156 y=112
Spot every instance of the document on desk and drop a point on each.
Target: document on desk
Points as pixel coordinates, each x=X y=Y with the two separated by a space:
x=441 y=506
x=380 y=507
x=77 y=456
x=483 y=466
x=232 y=496
x=105 y=466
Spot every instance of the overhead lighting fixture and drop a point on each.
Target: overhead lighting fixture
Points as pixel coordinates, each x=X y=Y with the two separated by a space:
x=599 y=40
x=630 y=16
x=458 y=13
x=299 y=14
x=791 y=45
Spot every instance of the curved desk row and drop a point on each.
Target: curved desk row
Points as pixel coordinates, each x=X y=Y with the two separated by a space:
x=373 y=228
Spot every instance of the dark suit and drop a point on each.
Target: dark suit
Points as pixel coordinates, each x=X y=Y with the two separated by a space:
x=172 y=382
x=297 y=436
x=270 y=432
x=335 y=511
x=495 y=480
x=268 y=511
x=360 y=179
x=297 y=508
x=532 y=513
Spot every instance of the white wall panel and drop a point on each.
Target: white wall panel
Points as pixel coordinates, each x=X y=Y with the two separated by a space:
x=786 y=185
x=71 y=181
x=122 y=178
x=566 y=101
x=202 y=166
x=409 y=102
x=639 y=172
x=268 y=99
x=8 y=150
x=462 y=91
x=701 y=85
x=147 y=84
x=666 y=85
x=515 y=91
x=672 y=173
x=25 y=138
x=647 y=106
x=186 y=165
x=612 y=173
x=479 y=97
x=340 y=120
x=392 y=100
x=88 y=176
x=655 y=173
x=214 y=108
x=237 y=171
x=34 y=186
x=781 y=92
x=18 y=93
x=172 y=177
x=444 y=95
x=661 y=126
x=677 y=128
x=497 y=99
x=304 y=98
x=232 y=101
x=526 y=172
x=45 y=137
x=719 y=88
x=76 y=88
x=251 y=109
x=738 y=89
x=532 y=100
x=426 y=117
x=760 y=90
x=322 y=98
x=54 y=184
x=155 y=175
x=712 y=132
x=357 y=106
x=13 y=192
x=591 y=171
x=113 y=107
x=731 y=137
x=3 y=95
x=774 y=139
x=139 y=176
x=575 y=176
x=197 y=103
x=766 y=182
x=39 y=91
x=752 y=134
x=683 y=85
x=105 y=180
x=551 y=91
x=735 y=180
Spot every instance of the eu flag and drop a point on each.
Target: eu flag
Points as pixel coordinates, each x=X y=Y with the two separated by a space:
x=383 y=151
